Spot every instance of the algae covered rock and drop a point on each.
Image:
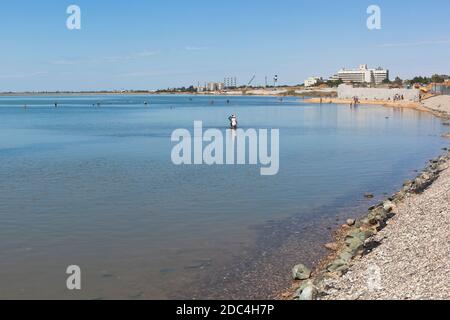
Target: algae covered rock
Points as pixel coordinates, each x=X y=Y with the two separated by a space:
x=301 y=272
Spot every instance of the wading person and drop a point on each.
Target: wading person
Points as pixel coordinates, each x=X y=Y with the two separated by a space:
x=233 y=122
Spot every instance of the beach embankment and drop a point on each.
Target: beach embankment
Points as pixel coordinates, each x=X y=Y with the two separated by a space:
x=385 y=103
x=438 y=105
x=398 y=250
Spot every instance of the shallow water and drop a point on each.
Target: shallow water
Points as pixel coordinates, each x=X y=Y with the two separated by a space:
x=95 y=187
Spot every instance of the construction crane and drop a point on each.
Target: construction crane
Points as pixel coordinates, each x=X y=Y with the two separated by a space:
x=251 y=81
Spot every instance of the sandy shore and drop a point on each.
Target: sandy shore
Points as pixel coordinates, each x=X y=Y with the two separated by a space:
x=438 y=105
x=401 y=249
x=395 y=104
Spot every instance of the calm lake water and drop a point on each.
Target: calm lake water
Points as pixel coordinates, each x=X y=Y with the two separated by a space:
x=95 y=187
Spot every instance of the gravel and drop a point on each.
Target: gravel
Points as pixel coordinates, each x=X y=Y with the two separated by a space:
x=412 y=259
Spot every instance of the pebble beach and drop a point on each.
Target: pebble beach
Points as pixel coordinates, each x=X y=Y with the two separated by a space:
x=412 y=258
x=400 y=250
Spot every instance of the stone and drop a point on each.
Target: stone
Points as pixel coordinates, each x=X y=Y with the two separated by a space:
x=358 y=234
x=333 y=246
x=346 y=256
x=106 y=274
x=308 y=292
x=369 y=195
x=365 y=221
x=355 y=246
x=388 y=206
x=351 y=222
x=355 y=240
x=301 y=272
x=337 y=266
x=407 y=183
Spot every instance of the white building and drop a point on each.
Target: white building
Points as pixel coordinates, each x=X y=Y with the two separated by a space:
x=312 y=81
x=216 y=86
x=362 y=75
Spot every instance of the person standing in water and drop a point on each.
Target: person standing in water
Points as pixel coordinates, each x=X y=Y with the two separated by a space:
x=233 y=122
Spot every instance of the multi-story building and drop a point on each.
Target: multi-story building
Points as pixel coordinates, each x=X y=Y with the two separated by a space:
x=362 y=75
x=380 y=75
x=312 y=81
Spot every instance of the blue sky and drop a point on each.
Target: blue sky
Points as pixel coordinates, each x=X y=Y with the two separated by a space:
x=149 y=44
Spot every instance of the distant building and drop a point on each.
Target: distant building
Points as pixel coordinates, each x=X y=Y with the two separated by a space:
x=230 y=82
x=362 y=75
x=312 y=81
x=215 y=86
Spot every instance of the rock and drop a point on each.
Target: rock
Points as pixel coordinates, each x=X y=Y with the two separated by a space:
x=407 y=183
x=358 y=234
x=351 y=222
x=388 y=206
x=333 y=246
x=355 y=246
x=346 y=256
x=307 y=292
x=369 y=195
x=337 y=266
x=365 y=221
x=106 y=274
x=199 y=264
x=301 y=272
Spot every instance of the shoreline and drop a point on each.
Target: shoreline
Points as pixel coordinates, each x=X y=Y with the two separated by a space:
x=359 y=245
x=282 y=92
x=419 y=106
